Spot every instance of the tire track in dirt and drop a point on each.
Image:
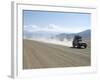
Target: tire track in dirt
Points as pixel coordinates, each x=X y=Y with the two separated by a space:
x=43 y=55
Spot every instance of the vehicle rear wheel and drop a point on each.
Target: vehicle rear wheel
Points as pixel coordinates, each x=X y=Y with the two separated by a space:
x=84 y=45
x=73 y=45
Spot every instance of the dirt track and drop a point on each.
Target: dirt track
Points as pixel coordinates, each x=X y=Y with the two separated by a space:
x=43 y=55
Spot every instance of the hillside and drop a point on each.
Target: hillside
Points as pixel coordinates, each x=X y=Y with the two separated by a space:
x=86 y=35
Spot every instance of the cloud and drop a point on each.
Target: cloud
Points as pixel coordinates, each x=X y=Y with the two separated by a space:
x=30 y=28
x=33 y=28
x=52 y=28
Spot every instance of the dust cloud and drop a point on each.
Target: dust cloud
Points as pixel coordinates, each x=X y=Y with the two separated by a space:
x=65 y=42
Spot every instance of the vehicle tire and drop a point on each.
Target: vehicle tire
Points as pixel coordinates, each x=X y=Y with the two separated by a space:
x=85 y=45
x=73 y=45
x=78 y=46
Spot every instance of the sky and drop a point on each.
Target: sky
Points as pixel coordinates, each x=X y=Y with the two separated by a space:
x=56 y=21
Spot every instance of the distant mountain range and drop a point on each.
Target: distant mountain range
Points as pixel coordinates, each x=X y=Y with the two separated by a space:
x=84 y=34
x=54 y=35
